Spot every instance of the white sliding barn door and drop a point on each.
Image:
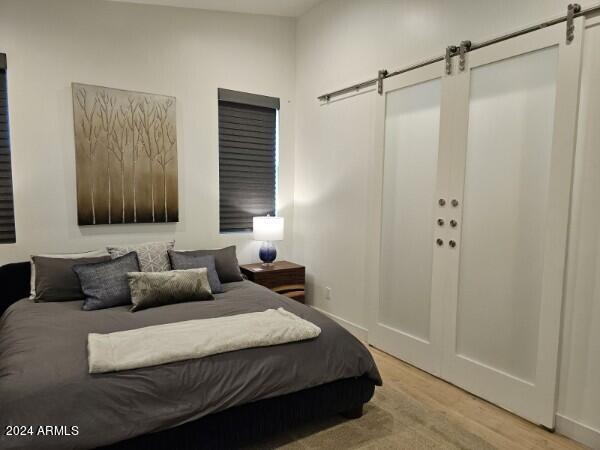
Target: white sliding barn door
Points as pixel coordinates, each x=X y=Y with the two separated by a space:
x=513 y=181
x=475 y=193
x=405 y=320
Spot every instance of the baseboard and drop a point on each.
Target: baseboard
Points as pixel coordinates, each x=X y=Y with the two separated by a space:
x=358 y=331
x=577 y=431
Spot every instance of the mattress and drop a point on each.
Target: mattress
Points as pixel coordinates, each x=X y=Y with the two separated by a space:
x=46 y=390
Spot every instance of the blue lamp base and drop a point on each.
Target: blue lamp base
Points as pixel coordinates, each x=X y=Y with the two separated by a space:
x=267 y=253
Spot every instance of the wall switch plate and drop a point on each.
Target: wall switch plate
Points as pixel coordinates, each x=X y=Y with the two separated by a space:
x=327 y=293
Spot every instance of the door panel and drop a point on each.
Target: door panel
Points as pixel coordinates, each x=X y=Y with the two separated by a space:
x=406 y=311
x=511 y=117
x=409 y=180
x=512 y=177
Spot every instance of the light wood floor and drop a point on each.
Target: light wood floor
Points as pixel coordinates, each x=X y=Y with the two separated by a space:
x=494 y=425
x=416 y=411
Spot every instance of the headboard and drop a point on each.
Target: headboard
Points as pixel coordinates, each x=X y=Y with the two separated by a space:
x=15 y=282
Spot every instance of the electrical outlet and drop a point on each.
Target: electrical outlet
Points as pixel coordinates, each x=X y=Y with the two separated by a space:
x=327 y=293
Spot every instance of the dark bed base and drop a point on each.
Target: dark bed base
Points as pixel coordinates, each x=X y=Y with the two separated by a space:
x=246 y=424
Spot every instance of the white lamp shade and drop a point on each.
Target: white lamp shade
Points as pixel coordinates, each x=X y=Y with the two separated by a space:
x=268 y=228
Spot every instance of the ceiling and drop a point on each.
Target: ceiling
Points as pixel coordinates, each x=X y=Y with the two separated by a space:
x=288 y=8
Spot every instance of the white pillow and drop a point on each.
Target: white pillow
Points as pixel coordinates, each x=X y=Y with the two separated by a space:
x=152 y=256
x=90 y=254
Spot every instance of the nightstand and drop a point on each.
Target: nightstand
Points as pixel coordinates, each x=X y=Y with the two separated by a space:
x=283 y=277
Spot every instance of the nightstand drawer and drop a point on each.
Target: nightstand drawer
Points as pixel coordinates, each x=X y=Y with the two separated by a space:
x=282 y=277
x=275 y=279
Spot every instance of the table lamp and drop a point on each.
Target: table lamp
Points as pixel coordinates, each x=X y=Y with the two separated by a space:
x=267 y=229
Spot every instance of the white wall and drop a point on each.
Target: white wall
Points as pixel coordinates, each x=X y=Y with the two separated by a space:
x=173 y=51
x=344 y=41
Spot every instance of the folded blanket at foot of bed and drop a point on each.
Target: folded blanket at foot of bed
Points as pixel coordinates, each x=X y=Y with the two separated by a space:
x=191 y=339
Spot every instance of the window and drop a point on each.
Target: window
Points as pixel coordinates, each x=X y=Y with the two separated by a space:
x=7 y=218
x=247 y=158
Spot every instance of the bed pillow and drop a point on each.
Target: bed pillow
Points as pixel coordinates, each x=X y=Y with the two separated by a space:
x=149 y=290
x=152 y=256
x=55 y=279
x=105 y=284
x=91 y=254
x=226 y=262
x=186 y=260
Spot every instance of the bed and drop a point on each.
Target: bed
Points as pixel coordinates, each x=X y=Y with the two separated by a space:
x=222 y=401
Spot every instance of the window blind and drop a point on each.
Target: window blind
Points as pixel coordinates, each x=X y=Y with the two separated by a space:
x=7 y=220
x=247 y=158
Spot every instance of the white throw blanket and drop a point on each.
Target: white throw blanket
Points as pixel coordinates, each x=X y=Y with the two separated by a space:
x=162 y=344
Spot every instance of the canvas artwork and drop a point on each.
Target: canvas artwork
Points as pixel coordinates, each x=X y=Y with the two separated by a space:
x=126 y=156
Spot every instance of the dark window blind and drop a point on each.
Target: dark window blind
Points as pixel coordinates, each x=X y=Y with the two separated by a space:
x=7 y=219
x=247 y=158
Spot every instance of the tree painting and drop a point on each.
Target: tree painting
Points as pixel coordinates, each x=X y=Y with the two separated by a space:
x=126 y=156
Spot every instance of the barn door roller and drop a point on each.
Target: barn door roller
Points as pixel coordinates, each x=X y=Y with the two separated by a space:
x=572 y=9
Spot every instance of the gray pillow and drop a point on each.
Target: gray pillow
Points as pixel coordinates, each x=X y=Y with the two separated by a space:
x=105 y=284
x=188 y=260
x=152 y=256
x=226 y=263
x=55 y=280
x=151 y=289
x=89 y=254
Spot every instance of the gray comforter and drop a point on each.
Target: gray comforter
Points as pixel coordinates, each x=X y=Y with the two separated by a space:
x=44 y=377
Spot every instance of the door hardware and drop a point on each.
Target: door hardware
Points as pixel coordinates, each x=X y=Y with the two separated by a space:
x=453 y=223
x=465 y=46
x=439 y=242
x=572 y=9
x=450 y=51
x=452 y=244
x=441 y=202
x=440 y=222
x=454 y=202
x=380 y=77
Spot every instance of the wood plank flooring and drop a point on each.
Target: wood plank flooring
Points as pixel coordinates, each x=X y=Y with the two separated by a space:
x=497 y=427
x=414 y=410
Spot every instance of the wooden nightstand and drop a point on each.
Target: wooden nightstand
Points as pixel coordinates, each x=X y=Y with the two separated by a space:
x=283 y=277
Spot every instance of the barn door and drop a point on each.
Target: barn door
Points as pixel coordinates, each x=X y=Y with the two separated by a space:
x=406 y=315
x=475 y=195
x=517 y=103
